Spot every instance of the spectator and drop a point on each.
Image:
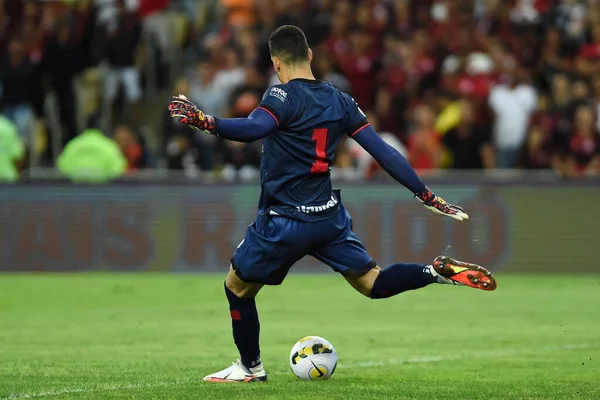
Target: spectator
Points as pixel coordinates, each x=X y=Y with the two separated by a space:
x=130 y=146
x=346 y=165
x=16 y=75
x=583 y=147
x=232 y=74
x=365 y=165
x=156 y=25
x=538 y=152
x=11 y=150
x=241 y=161
x=553 y=54
x=92 y=158
x=120 y=38
x=512 y=104
x=402 y=17
x=240 y=13
x=562 y=101
x=561 y=92
x=449 y=112
x=588 y=59
x=249 y=43
x=358 y=67
x=469 y=143
x=421 y=63
x=6 y=28
x=581 y=92
x=324 y=68
x=546 y=119
x=204 y=91
x=596 y=99
x=337 y=43
x=388 y=117
x=254 y=84
x=424 y=152
x=85 y=27
x=63 y=60
x=524 y=12
x=393 y=74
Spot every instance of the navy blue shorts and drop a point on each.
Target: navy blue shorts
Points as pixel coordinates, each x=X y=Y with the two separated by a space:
x=274 y=243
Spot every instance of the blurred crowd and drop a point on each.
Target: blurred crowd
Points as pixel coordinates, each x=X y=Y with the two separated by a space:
x=462 y=84
x=53 y=50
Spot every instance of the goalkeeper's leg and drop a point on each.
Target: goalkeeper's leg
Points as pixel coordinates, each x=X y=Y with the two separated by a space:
x=401 y=277
x=258 y=260
x=246 y=329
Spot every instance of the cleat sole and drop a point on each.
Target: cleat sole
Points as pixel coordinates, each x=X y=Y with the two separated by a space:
x=247 y=379
x=468 y=274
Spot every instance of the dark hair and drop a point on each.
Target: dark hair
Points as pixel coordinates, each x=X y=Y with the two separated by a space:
x=288 y=42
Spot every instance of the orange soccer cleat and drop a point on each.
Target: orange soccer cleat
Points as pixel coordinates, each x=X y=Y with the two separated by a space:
x=463 y=273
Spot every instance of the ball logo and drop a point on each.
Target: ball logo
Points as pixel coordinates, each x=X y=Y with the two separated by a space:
x=319 y=371
x=317 y=348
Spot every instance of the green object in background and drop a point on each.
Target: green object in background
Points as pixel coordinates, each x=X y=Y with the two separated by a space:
x=92 y=157
x=11 y=150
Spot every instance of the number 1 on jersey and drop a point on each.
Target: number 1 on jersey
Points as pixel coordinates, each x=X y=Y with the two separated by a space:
x=320 y=164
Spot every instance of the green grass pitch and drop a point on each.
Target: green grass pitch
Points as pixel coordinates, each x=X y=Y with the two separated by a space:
x=155 y=336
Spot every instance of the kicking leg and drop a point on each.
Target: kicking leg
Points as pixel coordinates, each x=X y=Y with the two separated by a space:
x=246 y=328
x=398 y=278
x=395 y=279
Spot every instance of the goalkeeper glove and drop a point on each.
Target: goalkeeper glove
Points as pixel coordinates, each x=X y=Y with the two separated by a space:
x=188 y=113
x=440 y=206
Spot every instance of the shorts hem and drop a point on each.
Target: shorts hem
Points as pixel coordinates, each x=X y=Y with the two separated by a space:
x=357 y=273
x=246 y=280
x=237 y=271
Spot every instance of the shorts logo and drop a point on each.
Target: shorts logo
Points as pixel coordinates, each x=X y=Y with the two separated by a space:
x=279 y=93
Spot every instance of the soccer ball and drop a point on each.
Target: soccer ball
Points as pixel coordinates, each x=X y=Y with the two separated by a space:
x=313 y=358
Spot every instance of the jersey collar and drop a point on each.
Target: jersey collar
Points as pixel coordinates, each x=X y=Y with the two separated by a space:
x=312 y=81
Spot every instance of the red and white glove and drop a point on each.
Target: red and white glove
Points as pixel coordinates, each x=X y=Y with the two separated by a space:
x=440 y=206
x=188 y=113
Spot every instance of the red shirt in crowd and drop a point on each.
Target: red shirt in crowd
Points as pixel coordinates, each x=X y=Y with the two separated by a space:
x=338 y=46
x=584 y=149
x=149 y=7
x=358 y=70
x=590 y=51
x=423 y=149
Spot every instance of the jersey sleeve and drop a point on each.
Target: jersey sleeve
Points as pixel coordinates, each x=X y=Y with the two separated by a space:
x=277 y=102
x=356 y=118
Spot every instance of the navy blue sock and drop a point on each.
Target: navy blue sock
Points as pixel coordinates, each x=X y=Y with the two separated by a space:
x=246 y=328
x=399 y=278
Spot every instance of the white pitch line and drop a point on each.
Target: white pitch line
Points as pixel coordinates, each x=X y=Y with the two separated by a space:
x=99 y=388
x=481 y=354
x=367 y=364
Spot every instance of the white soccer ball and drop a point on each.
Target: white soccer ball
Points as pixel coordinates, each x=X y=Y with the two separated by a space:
x=313 y=358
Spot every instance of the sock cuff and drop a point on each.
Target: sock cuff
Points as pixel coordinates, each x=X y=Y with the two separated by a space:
x=240 y=308
x=399 y=278
x=232 y=297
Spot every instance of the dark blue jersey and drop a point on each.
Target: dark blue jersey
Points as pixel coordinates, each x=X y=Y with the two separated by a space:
x=312 y=117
